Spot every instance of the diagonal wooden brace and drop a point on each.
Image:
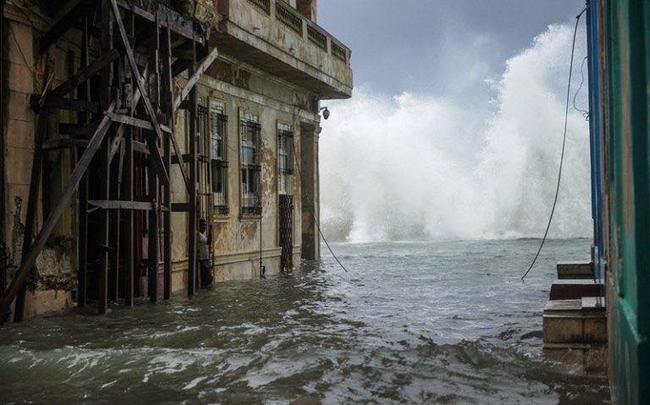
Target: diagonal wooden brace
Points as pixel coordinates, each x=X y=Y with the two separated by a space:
x=151 y=113
x=201 y=68
x=85 y=73
x=61 y=205
x=64 y=24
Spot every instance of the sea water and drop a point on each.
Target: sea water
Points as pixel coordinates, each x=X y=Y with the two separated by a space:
x=440 y=318
x=409 y=322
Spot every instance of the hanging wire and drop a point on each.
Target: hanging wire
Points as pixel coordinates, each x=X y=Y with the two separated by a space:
x=585 y=113
x=320 y=232
x=566 y=122
x=297 y=163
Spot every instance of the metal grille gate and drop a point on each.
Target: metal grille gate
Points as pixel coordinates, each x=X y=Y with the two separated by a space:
x=286 y=232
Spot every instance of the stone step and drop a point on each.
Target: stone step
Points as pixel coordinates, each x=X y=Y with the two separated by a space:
x=571 y=322
x=568 y=289
x=574 y=270
x=592 y=357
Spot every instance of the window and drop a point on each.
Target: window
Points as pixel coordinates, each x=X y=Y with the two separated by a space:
x=219 y=156
x=251 y=169
x=285 y=159
x=202 y=159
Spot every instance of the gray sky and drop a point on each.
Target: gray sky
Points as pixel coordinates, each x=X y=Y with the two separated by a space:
x=444 y=48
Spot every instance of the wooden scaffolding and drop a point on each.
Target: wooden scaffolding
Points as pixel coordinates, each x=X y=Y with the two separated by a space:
x=126 y=101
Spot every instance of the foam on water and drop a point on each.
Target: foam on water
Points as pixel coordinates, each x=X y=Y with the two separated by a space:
x=417 y=167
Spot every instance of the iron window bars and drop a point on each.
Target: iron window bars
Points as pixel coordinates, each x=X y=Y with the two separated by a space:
x=251 y=168
x=219 y=160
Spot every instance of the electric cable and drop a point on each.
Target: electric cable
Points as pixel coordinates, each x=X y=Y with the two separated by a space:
x=585 y=113
x=566 y=122
x=298 y=172
x=320 y=232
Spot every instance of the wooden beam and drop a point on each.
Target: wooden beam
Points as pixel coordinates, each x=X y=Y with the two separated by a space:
x=160 y=168
x=77 y=130
x=167 y=92
x=135 y=122
x=61 y=103
x=63 y=143
x=86 y=73
x=192 y=272
x=116 y=143
x=128 y=190
x=168 y=18
x=141 y=147
x=156 y=157
x=84 y=95
x=196 y=75
x=124 y=204
x=129 y=253
x=32 y=206
x=106 y=94
x=62 y=204
x=153 y=239
x=64 y=23
x=135 y=98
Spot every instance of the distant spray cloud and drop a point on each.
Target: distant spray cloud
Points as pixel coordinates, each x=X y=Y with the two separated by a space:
x=413 y=167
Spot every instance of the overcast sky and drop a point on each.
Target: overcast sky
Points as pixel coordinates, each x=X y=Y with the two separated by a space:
x=446 y=48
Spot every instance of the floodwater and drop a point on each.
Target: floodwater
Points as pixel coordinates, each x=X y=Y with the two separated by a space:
x=411 y=322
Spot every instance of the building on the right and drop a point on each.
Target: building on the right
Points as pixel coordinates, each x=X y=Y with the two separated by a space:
x=619 y=63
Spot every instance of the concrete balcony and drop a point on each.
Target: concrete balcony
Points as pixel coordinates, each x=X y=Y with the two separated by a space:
x=275 y=38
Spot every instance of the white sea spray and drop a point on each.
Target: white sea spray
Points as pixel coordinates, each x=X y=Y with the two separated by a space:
x=420 y=167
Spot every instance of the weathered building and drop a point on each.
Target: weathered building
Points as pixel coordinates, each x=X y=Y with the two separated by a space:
x=125 y=122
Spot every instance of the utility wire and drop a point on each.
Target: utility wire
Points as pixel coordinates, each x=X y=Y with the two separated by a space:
x=298 y=172
x=295 y=159
x=585 y=113
x=566 y=121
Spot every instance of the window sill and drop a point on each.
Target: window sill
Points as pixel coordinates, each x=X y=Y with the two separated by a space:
x=250 y=217
x=221 y=218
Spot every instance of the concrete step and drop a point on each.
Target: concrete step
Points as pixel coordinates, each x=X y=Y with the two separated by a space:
x=571 y=322
x=575 y=332
x=593 y=358
x=568 y=289
x=574 y=270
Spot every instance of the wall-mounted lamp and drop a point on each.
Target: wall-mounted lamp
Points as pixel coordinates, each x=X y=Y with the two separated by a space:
x=326 y=112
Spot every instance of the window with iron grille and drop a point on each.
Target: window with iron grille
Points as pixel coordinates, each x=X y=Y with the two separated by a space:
x=203 y=158
x=219 y=157
x=285 y=159
x=251 y=168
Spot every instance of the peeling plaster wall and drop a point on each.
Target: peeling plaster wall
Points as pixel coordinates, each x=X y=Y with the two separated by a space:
x=236 y=237
x=23 y=76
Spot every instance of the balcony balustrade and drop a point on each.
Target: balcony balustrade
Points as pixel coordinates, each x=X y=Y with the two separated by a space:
x=273 y=36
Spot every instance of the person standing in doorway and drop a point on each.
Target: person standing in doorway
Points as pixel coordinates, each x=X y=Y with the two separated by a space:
x=204 y=255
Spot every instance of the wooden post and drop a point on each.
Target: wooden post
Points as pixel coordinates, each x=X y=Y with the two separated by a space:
x=153 y=236
x=107 y=76
x=83 y=93
x=154 y=189
x=192 y=249
x=129 y=262
x=166 y=104
x=129 y=253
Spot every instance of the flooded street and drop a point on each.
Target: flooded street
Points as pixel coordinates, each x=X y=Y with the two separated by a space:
x=421 y=322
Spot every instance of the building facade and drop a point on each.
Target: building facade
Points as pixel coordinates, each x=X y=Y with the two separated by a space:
x=135 y=120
